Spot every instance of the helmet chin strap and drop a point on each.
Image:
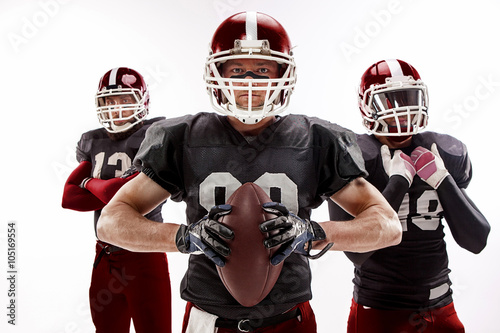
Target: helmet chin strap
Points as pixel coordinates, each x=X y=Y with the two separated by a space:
x=120 y=128
x=399 y=138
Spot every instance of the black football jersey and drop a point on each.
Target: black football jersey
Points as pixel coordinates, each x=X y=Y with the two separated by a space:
x=413 y=274
x=110 y=158
x=201 y=159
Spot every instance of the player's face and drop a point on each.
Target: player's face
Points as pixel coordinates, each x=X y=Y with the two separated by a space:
x=260 y=69
x=392 y=122
x=115 y=102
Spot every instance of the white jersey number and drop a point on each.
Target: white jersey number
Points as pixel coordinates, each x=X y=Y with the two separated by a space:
x=126 y=163
x=428 y=208
x=229 y=184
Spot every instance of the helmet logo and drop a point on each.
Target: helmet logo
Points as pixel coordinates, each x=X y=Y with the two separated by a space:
x=129 y=80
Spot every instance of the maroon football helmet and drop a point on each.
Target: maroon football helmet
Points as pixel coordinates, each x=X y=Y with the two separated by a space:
x=393 y=99
x=122 y=99
x=250 y=35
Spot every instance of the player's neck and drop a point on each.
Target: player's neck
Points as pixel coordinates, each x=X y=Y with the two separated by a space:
x=394 y=144
x=251 y=130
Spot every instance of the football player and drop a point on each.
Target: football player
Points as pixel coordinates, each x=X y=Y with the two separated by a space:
x=203 y=158
x=125 y=285
x=423 y=175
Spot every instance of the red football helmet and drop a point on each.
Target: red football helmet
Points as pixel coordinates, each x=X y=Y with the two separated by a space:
x=250 y=35
x=122 y=99
x=393 y=99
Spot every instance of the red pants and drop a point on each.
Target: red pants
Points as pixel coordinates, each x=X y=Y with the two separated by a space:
x=127 y=285
x=307 y=324
x=441 y=320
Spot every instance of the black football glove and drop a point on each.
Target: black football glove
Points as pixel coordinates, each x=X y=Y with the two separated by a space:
x=294 y=234
x=205 y=236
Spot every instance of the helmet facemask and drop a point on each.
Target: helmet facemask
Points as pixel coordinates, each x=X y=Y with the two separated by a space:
x=222 y=89
x=117 y=118
x=396 y=108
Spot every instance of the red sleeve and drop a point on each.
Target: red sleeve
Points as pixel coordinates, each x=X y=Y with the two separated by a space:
x=106 y=189
x=77 y=198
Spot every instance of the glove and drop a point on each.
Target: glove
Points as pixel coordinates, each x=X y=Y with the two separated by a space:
x=294 y=234
x=401 y=164
x=206 y=235
x=429 y=165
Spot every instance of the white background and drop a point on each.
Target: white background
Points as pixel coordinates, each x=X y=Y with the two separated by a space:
x=54 y=52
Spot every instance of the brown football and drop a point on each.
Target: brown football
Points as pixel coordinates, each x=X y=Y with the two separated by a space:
x=248 y=274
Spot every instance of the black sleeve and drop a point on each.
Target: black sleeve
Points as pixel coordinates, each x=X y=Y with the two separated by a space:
x=83 y=149
x=160 y=157
x=342 y=163
x=468 y=226
x=395 y=191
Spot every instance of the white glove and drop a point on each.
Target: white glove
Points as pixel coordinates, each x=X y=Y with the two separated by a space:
x=430 y=166
x=401 y=164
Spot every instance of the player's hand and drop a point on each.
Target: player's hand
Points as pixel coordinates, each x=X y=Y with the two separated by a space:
x=429 y=165
x=206 y=236
x=294 y=234
x=400 y=164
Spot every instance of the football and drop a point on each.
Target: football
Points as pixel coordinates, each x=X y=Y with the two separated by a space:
x=248 y=274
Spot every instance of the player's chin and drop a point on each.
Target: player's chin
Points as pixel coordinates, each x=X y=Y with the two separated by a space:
x=120 y=122
x=257 y=103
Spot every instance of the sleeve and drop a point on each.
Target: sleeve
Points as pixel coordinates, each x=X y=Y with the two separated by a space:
x=105 y=189
x=467 y=224
x=342 y=163
x=83 y=149
x=160 y=156
x=77 y=198
x=469 y=227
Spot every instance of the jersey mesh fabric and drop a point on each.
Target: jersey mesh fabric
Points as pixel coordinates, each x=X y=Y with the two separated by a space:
x=111 y=158
x=415 y=273
x=193 y=157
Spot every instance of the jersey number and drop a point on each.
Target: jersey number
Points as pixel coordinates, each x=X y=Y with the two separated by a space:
x=427 y=209
x=219 y=186
x=125 y=160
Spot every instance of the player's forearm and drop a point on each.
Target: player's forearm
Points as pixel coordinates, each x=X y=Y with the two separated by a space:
x=123 y=226
x=469 y=227
x=77 y=198
x=373 y=229
x=375 y=224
